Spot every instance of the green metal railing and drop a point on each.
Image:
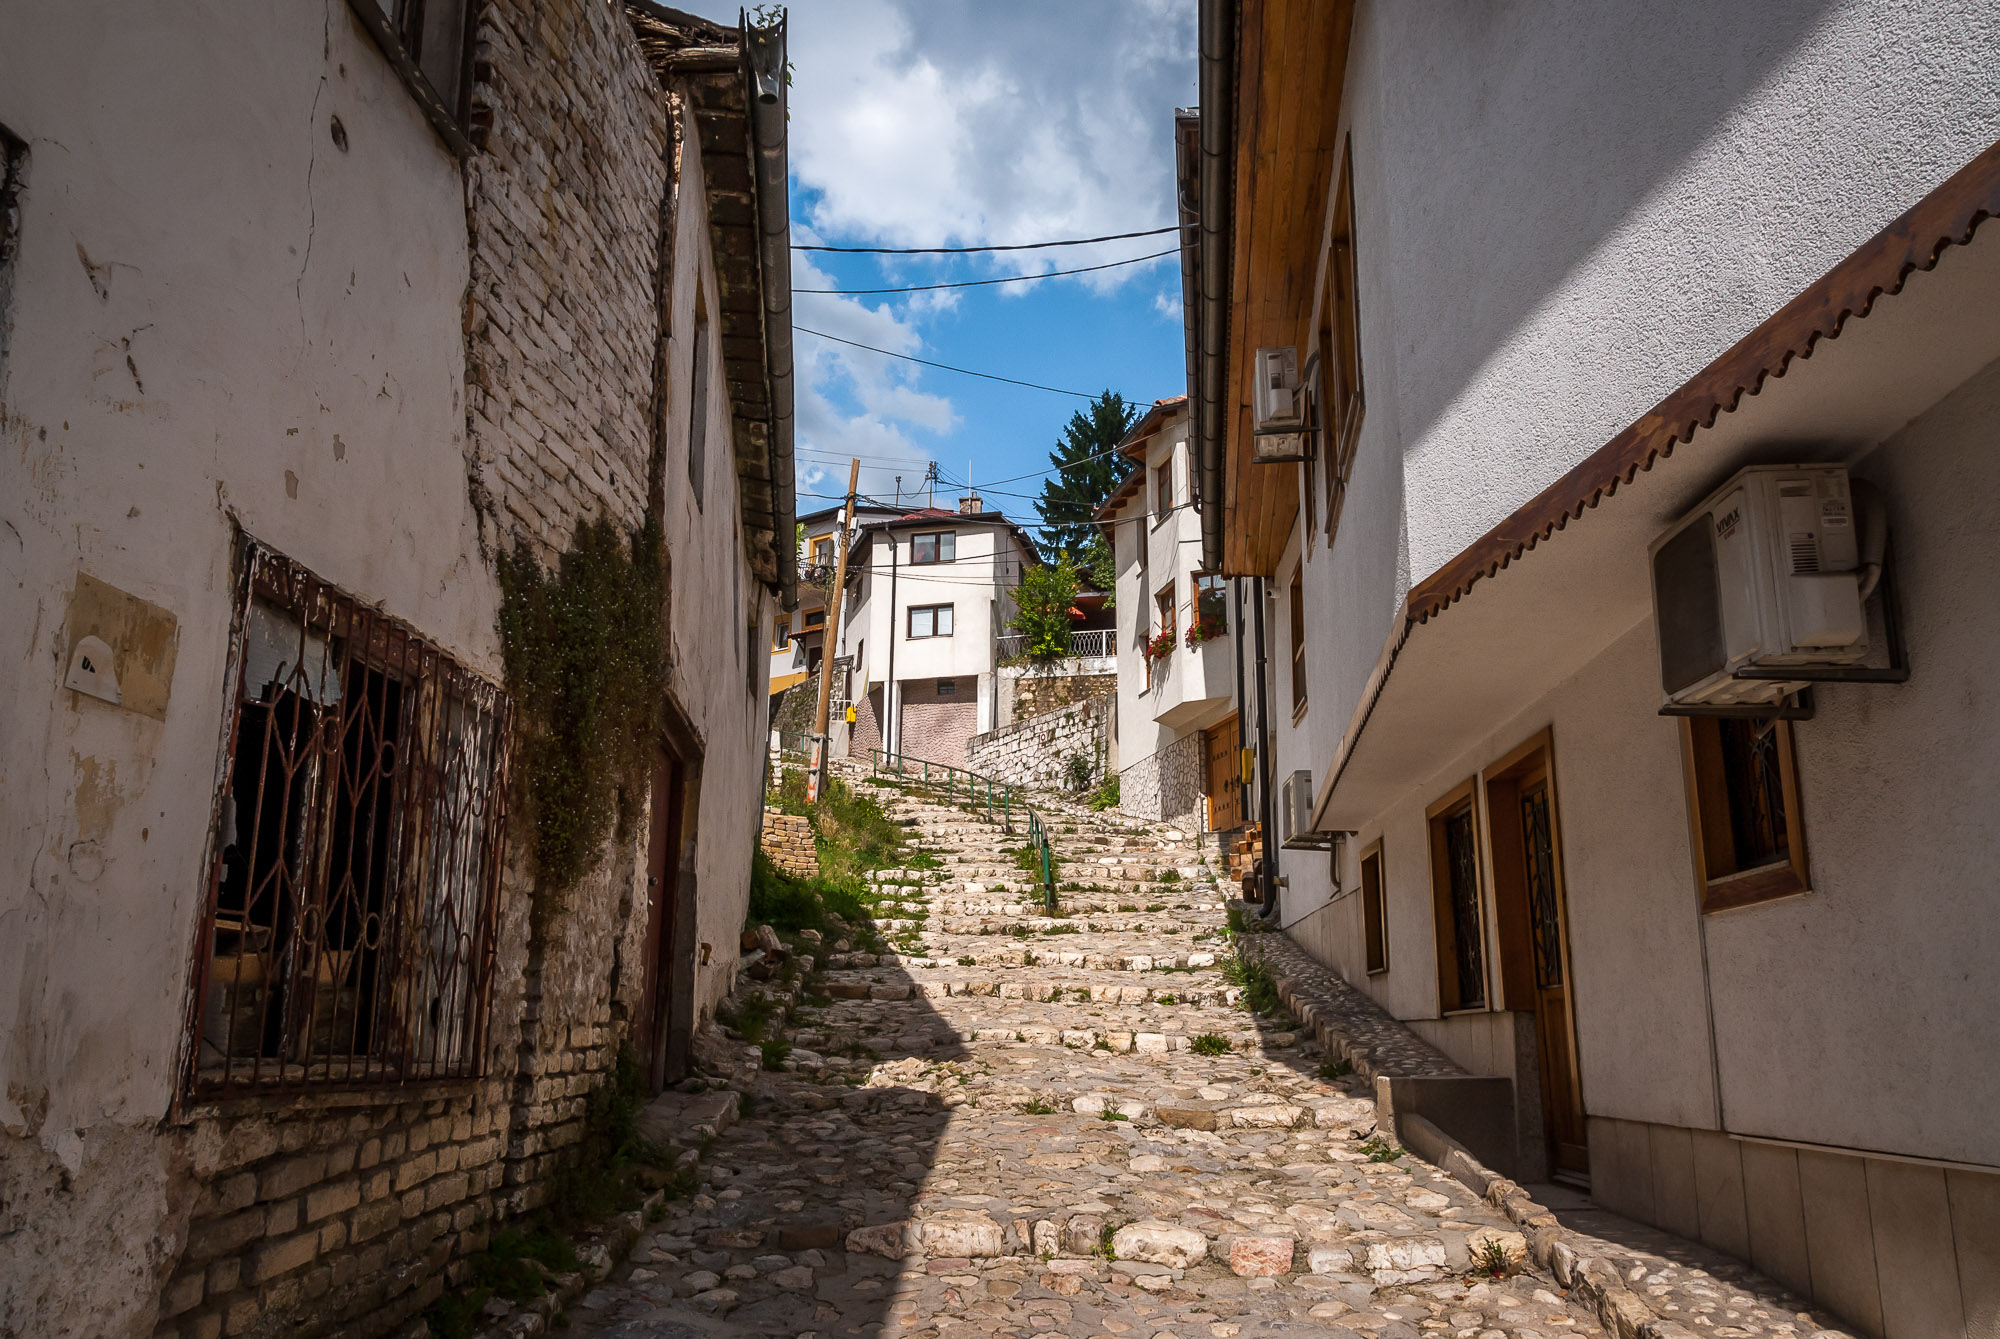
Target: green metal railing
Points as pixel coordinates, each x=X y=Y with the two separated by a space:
x=996 y=797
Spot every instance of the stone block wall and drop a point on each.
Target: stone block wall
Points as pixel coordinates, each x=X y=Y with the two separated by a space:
x=788 y=840
x=1039 y=694
x=1037 y=752
x=1167 y=785
x=339 y=1205
x=937 y=728
x=867 y=732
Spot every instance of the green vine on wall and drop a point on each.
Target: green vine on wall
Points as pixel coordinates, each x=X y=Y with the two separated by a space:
x=586 y=664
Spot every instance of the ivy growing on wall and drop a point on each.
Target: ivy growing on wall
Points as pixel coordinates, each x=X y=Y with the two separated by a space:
x=586 y=664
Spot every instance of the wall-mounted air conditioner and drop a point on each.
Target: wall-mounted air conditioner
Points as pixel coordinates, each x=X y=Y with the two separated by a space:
x=1295 y=822
x=1766 y=587
x=1278 y=407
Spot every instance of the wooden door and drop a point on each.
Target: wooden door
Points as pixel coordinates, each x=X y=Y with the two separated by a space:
x=663 y=862
x=1534 y=934
x=1225 y=777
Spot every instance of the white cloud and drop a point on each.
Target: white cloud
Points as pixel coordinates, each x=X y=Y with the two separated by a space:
x=954 y=122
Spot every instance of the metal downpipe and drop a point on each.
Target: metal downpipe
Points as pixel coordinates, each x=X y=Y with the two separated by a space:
x=1217 y=178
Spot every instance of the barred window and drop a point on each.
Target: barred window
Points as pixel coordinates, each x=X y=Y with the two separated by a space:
x=349 y=933
x=429 y=44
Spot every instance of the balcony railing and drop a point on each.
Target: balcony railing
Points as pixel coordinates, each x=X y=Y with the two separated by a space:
x=1096 y=644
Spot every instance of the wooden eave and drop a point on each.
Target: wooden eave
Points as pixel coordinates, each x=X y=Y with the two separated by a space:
x=1292 y=59
x=707 y=65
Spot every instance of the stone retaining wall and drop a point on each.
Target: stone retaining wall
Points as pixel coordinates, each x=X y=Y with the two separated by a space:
x=1167 y=784
x=788 y=840
x=1039 y=694
x=1037 y=751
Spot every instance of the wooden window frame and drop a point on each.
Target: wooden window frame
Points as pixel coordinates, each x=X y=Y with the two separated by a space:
x=1707 y=814
x=781 y=632
x=1163 y=490
x=1342 y=395
x=940 y=540
x=1444 y=931
x=401 y=37
x=910 y=634
x=1374 y=911
x=1296 y=618
x=812 y=620
x=813 y=551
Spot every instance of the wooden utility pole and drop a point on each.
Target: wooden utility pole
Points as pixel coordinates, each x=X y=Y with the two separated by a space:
x=829 y=642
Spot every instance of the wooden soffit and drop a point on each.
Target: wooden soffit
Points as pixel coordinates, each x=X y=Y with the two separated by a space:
x=1292 y=60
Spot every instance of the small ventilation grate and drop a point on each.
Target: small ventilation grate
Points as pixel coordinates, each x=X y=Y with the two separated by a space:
x=1805 y=552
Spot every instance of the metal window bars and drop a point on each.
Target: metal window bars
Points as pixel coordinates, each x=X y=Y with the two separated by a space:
x=980 y=792
x=350 y=927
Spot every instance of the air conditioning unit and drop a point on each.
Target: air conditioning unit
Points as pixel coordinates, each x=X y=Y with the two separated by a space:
x=1759 y=590
x=1278 y=410
x=1295 y=822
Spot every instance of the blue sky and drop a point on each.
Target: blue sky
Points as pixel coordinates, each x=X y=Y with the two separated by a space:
x=955 y=123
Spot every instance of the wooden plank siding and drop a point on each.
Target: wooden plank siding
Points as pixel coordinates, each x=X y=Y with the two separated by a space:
x=1292 y=61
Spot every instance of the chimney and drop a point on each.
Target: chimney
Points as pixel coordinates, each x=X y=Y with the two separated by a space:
x=969 y=505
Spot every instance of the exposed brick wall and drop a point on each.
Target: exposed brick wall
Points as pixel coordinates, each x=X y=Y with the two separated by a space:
x=563 y=326
x=562 y=316
x=936 y=728
x=788 y=840
x=1040 y=694
x=867 y=725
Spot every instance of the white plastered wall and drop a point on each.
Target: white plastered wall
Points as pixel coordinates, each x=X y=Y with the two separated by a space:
x=720 y=672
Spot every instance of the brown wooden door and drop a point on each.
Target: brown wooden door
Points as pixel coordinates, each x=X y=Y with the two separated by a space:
x=1534 y=941
x=1225 y=777
x=663 y=862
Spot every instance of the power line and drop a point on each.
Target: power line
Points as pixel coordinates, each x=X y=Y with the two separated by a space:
x=943 y=367
x=981 y=283
x=972 y=250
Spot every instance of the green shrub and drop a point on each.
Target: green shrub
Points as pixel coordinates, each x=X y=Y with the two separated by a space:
x=1106 y=794
x=586 y=665
x=774 y=1050
x=1210 y=1043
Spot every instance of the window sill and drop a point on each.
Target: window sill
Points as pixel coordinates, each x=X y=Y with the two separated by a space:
x=1299 y=712
x=1378 y=971
x=1767 y=884
x=428 y=102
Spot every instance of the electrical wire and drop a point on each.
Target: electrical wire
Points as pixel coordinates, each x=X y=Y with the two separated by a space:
x=981 y=283
x=943 y=367
x=973 y=250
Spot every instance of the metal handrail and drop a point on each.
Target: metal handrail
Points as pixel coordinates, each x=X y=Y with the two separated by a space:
x=1090 y=644
x=936 y=774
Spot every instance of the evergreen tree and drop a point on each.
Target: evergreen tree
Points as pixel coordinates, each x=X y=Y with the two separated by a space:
x=1086 y=472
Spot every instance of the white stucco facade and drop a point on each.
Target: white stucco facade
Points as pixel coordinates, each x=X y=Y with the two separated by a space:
x=1164 y=708
x=1562 y=215
x=885 y=584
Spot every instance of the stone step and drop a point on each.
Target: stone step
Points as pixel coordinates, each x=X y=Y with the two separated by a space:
x=1201 y=960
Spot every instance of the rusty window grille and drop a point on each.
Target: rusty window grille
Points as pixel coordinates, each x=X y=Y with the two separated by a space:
x=349 y=934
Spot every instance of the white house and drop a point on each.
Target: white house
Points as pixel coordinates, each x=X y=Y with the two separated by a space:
x=306 y=317
x=1552 y=279
x=930 y=593
x=1179 y=639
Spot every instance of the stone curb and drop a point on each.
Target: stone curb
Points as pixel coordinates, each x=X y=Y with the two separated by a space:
x=1589 y=1276
x=608 y=1247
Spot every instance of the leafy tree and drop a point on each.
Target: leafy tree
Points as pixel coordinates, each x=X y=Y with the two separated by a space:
x=1087 y=470
x=1041 y=610
x=1100 y=561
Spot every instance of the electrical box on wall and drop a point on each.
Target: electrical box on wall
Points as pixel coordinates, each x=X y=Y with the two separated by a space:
x=1278 y=407
x=1295 y=814
x=1773 y=583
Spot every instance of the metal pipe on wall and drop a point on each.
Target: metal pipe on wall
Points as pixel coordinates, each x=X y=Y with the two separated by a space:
x=1268 y=862
x=1217 y=22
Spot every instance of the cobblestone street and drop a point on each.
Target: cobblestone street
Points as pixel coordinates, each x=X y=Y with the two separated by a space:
x=1073 y=1129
